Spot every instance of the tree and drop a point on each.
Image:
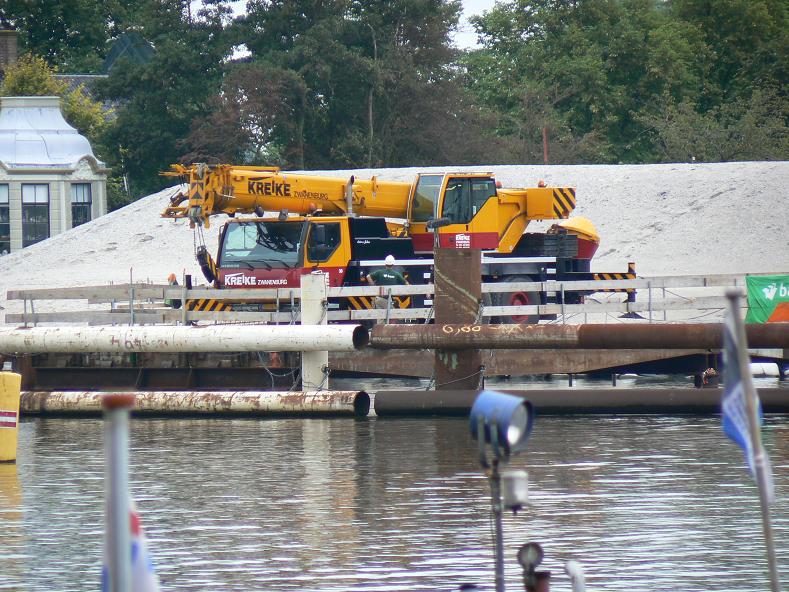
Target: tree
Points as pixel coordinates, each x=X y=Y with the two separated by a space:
x=69 y=34
x=32 y=76
x=611 y=80
x=158 y=101
x=256 y=119
x=752 y=128
x=369 y=83
x=746 y=41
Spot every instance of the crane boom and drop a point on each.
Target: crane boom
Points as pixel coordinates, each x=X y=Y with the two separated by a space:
x=227 y=189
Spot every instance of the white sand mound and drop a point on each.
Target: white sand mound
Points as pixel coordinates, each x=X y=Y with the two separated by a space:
x=669 y=219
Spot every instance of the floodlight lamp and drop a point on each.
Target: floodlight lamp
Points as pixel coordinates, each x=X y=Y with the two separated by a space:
x=512 y=417
x=530 y=556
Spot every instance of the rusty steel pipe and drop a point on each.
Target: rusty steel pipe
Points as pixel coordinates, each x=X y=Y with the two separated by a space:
x=625 y=336
x=637 y=401
x=177 y=339
x=203 y=403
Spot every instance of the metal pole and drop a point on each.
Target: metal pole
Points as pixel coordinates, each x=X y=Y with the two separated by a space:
x=131 y=305
x=649 y=291
x=183 y=304
x=495 y=500
x=131 y=298
x=562 y=289
x=495 y=497
x=117 y=476
x=761 y=464
x=388 y=305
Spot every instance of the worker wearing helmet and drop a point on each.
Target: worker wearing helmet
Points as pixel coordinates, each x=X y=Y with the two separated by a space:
x=388 y=276
x=174 y=302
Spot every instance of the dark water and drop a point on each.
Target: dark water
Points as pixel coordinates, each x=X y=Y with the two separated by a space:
x=644 y=503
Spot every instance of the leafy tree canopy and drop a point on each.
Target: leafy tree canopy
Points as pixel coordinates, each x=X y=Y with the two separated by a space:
x=32 y=76
x=599 y=73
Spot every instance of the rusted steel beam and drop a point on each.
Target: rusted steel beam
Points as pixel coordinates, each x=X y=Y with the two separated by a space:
x=458 y=291
x=576 y=401
x=391 y=362
x=624 y=336
x=512 y=362
x=237 y=403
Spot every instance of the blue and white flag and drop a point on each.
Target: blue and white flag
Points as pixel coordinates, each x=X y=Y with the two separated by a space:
x=143 y=574
x=734 y=406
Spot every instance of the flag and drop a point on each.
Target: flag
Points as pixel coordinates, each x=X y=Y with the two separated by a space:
x=144 y=578
x=734 y=405
x=143 y=574
x=768 y=298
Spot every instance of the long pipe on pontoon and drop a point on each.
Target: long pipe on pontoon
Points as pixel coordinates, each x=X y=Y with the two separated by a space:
x=176 y=339
x=604 y=336
x=204 y=403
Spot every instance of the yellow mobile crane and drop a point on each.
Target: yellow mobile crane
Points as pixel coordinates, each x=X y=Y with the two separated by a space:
x=344 y=226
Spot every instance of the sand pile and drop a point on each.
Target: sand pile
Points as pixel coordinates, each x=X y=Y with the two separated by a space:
x=670 y=219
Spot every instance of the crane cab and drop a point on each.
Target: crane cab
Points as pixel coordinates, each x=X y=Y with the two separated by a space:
x=465 y=205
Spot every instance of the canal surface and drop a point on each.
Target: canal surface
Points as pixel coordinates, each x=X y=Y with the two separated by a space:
x=644 y=503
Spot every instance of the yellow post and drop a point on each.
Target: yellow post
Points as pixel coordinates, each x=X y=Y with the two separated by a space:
x=10 y=383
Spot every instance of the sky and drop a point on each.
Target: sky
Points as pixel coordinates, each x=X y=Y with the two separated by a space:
x=466 y=38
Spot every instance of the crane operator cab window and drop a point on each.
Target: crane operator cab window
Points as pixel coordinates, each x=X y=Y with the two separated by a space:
x=266 y=245
x=464 y=197
x=426 y=197
x=323 y=240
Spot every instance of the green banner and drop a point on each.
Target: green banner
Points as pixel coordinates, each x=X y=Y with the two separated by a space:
x=768 y=296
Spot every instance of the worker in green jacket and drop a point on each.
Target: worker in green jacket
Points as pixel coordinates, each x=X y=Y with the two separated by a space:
x=388 y=276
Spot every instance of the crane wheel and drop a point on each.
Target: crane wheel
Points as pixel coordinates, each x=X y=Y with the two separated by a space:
x=518 y=299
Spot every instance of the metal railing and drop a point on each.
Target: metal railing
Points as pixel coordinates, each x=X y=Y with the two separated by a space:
x=140 y=303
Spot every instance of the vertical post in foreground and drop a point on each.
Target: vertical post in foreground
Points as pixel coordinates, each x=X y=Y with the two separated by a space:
x=457 y=275
x=10 y=386
x=116 y=438
x=761 y=465
x=314 y=308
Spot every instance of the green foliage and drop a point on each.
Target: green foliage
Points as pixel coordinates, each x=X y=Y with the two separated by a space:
x=70 y=34
x=369 y=83
x=159 y=100
x=600 y=74
x=746 y=44
x=117 y=195
x=750 y=128
x=32 y=76
x=345 y=83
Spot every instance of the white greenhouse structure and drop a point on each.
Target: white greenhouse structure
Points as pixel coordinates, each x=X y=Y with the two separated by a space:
x=50 y=180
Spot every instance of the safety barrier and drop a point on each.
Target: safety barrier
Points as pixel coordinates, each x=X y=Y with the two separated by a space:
x=144 y=304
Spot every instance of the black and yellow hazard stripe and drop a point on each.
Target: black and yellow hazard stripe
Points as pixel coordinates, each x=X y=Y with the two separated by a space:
x=360 y=302
x=207 y=305
x=403 y=301
x=629 y=275
x=563 y=201
x=367 y=302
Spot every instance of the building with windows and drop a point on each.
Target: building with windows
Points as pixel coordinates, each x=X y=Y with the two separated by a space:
x=50 y=180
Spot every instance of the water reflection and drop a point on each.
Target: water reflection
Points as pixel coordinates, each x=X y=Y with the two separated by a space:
x=645 y=503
